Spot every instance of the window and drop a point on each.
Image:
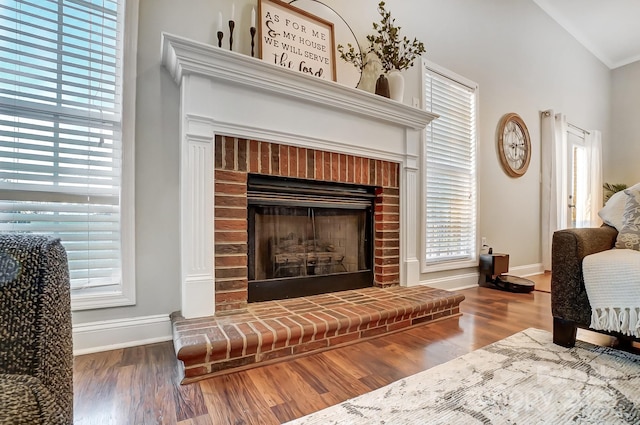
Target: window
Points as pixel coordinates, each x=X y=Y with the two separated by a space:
x=61 y=138
x=450 y=171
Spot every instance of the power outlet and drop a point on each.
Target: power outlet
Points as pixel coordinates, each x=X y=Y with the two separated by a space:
x=483 y=241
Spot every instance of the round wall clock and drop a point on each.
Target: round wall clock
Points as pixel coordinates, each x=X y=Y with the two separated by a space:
x=514 y=145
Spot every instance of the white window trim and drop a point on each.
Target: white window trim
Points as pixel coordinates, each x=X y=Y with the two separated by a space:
x=449 y=265
x=127 y=294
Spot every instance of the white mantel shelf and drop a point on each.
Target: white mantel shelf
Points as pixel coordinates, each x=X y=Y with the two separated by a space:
x=227 y=93
x=182 y=56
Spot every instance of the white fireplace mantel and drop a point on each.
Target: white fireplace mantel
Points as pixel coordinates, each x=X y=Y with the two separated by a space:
x=227 y=93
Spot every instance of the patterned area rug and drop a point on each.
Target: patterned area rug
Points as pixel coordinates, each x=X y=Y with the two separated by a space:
x=523 y=379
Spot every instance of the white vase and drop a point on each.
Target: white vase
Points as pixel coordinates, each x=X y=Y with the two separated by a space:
x=396 y=85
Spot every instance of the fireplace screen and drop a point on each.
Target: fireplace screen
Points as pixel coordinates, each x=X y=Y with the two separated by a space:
x=307 y=237
x=295 y=242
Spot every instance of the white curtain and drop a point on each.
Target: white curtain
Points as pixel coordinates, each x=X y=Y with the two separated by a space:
x=555 y=196
x=593 y=145
x=553 y=134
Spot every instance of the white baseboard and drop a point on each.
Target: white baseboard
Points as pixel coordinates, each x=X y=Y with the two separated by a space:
x=470 y=280
x=527 y=270
x=120 y=333
x=453 y=283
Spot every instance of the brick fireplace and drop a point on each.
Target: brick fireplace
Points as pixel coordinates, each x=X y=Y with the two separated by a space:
x=236 y=157
x=244 y=124
x=238 y=115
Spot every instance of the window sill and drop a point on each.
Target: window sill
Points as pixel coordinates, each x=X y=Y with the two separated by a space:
x=101 y=300
x=451 y=265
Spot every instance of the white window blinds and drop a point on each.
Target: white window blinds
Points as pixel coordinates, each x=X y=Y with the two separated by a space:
x=60 y=126
x=450 y=170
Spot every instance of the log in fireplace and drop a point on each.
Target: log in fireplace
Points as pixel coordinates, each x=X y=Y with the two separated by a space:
x=307 y=237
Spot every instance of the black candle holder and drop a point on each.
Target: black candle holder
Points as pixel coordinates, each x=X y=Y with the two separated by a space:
x=252 y=31
x=220 y=37
x=232 y=25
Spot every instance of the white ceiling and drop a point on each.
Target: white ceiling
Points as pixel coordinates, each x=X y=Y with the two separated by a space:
x=610 y=29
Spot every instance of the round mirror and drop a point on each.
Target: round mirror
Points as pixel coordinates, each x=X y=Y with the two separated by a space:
x=346 y=73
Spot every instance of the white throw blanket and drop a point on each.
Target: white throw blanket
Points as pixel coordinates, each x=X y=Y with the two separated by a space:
x=612 y=280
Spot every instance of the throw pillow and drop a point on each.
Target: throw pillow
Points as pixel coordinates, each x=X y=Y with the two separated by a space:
x=629 y=235
x=613 y=210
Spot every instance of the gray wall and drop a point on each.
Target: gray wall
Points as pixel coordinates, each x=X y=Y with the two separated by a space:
x=622 y=151
x=522 y=60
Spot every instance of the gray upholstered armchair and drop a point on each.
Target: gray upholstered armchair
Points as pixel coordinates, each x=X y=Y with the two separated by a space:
x=36 y=353
x=569 y=303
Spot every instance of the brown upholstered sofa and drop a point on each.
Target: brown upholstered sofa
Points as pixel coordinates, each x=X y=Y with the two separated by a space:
x=36 y=353
x=569 y=303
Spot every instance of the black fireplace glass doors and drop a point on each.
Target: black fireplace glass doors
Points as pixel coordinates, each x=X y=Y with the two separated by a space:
x=307 y=237
x=307 y=241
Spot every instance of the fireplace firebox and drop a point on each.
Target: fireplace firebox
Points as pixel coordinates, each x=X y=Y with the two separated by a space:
x=307 y=237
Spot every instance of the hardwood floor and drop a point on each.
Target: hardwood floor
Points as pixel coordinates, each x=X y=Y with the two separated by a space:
x=542 y=281
x=140 y=385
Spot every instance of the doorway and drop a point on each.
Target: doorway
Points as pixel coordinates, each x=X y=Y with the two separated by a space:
x=571 y=178
x=577 y=179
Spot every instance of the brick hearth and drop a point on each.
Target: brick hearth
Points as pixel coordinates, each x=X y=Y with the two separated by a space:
x=235 y=158
x=243 y=335
x=277 y=330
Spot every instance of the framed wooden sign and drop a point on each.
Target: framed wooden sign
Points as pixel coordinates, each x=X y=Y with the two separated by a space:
x=296 y=39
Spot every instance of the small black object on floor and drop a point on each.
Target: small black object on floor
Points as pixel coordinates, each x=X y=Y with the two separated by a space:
x=492 y=269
